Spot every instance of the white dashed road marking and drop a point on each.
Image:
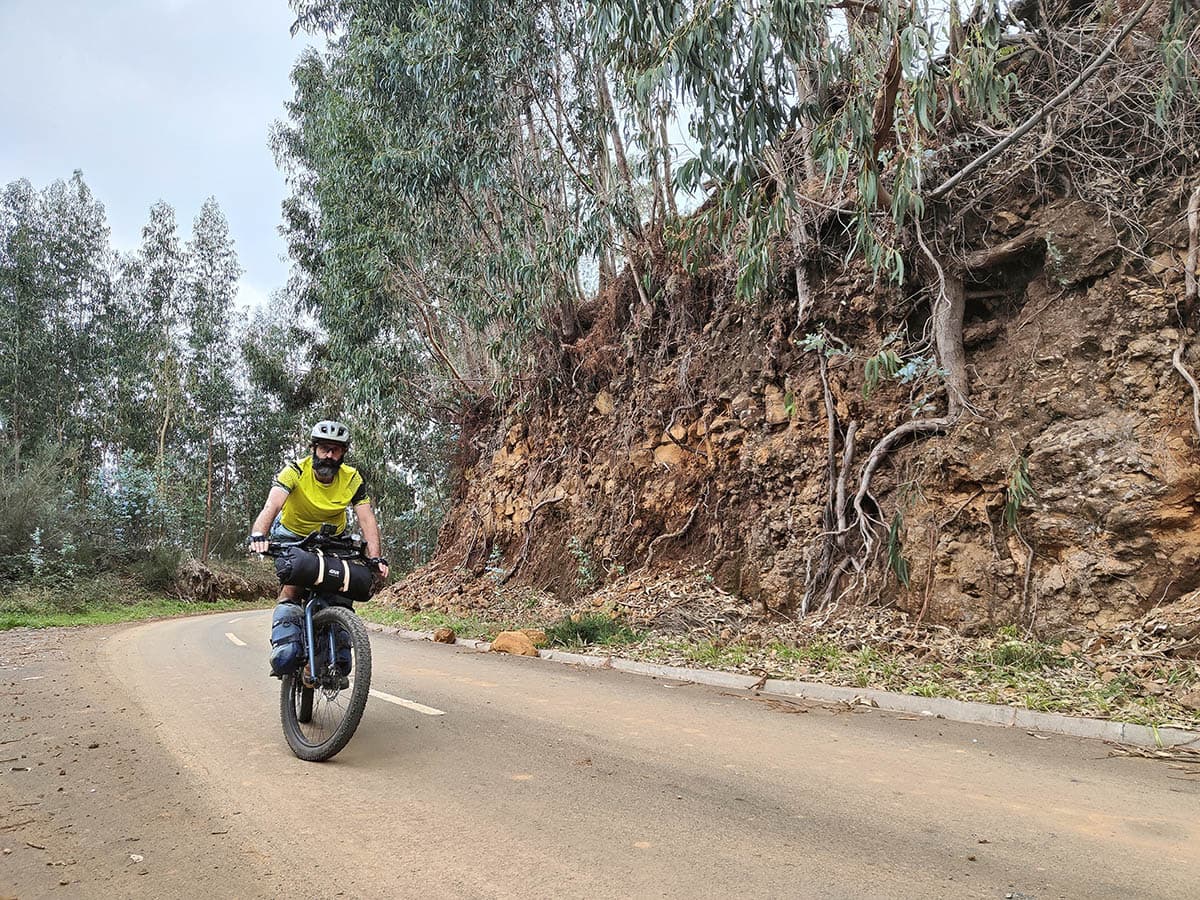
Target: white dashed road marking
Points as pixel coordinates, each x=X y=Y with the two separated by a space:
x=235 y=639
x=235 y=619
x=407 y=704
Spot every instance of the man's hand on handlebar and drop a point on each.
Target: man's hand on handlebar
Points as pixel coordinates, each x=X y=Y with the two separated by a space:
x=259 y=543
x=381 y=566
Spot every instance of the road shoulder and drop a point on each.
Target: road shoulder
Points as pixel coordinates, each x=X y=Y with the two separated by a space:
x=94 y=805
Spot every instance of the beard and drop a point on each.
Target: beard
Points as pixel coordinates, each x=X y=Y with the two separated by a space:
x=325 y=469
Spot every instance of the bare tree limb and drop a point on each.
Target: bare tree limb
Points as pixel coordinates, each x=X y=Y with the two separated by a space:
x=993 y=256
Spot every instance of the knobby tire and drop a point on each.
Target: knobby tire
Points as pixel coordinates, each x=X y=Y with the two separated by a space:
x=296 y=702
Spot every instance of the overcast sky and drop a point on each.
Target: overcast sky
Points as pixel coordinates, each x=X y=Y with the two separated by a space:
x=154 y=99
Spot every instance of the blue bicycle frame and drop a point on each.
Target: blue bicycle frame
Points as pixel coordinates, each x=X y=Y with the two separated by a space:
x=314 y=605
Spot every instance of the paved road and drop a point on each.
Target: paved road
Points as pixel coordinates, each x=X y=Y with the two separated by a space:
x=542 y=780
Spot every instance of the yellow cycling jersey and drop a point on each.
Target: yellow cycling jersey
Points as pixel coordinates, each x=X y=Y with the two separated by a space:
x=310 y=504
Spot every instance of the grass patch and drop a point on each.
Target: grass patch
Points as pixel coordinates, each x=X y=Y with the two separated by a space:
x=468 y=627
x=1004 y=669
x=1013 y=653
x=104 y=600
x=585 y=630
x=718 y=655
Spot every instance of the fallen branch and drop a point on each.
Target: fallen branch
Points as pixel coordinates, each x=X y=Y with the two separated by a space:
x=1040 y=116
x=1175 y=754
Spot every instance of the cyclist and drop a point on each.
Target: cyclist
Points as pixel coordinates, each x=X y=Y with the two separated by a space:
x=306 y=495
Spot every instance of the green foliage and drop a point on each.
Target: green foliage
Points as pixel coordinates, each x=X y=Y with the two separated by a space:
x=586 y=574
x=895 y=550
x=1018 y=490
x=467 y=627
x=157 y=570
x=883 y=365
x=100 y=600
x=587 y=629
x=1010 y=651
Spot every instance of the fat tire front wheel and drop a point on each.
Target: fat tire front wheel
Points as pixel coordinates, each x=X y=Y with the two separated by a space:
x=318 y=721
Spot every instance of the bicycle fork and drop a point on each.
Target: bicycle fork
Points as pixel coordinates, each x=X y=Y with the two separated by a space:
x=312 y=642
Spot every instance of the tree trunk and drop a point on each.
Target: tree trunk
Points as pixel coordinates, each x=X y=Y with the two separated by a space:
x=948 y=310
x=668 y=177
x=618 y=147
x=208 y=501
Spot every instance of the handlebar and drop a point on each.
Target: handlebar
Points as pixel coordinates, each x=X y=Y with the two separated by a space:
x=331 y=545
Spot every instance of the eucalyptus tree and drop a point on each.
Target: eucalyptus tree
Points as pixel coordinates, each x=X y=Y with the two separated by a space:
x=439 y=206
x=55 y=279
x=209 y=287
x=161 y=263
x=25 y=349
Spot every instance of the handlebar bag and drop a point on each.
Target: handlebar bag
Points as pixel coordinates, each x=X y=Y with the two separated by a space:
x=322 y=572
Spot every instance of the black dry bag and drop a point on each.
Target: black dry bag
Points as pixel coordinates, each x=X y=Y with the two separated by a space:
x=328 y=574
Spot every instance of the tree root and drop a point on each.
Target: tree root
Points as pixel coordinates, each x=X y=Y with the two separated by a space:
x=1189 y=303
x=529 y=537
x=879 y=452
x=679 y=532
x=1182 y=369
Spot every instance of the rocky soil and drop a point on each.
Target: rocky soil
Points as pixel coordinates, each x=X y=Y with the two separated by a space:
x=713 y=452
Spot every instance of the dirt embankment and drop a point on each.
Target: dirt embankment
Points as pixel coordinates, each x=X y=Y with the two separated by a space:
x=705 y=448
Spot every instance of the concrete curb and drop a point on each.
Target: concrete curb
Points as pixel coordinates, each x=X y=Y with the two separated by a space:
x=969 y=712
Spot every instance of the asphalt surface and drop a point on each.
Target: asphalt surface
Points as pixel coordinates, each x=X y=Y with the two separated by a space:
x=544 y=780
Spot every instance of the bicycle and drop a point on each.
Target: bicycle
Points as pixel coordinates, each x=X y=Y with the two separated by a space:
x=321 y=704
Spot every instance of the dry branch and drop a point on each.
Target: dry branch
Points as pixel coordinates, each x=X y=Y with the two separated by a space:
x=1040 y=116
x=994 y=256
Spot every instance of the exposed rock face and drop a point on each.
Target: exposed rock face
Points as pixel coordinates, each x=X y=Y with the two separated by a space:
x=717 y=457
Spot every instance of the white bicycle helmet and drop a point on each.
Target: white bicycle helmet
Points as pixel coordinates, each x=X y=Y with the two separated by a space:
x=333 y=432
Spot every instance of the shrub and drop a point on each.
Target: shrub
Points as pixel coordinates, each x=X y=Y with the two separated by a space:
x=594 y=628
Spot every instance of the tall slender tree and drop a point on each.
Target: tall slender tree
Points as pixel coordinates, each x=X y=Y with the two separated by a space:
x=210 y=286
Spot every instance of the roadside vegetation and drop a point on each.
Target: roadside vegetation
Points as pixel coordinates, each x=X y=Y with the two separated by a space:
x=101 y=601
x=578 y=632
x=864 y=649
x=1003 y=668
